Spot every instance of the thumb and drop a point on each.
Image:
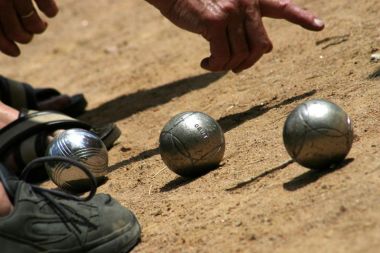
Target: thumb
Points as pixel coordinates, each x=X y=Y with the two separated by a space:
x=286 y=9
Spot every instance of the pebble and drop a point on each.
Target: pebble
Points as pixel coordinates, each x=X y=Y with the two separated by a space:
x=375 y=57
x=156 y=212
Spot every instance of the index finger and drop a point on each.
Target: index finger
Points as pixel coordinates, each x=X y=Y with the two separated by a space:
x=286 y=9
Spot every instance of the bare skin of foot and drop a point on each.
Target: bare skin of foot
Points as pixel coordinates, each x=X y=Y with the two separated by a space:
x=9 y=114
x=5 y=204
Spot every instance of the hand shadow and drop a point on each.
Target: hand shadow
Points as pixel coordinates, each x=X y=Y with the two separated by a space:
x=125 y=106
x=313 y=175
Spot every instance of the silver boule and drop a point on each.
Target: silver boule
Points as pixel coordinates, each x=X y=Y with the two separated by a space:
x=191 y=144
x=318 y=134
x=83 y=146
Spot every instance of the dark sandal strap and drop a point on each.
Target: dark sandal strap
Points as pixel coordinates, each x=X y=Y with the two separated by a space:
x=77 y=106
x=22 y=95
x=45 y=93
x=17 y=95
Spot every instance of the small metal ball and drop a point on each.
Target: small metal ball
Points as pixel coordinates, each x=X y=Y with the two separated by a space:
x=191 y=144
x=83 y=146
x=318 y=134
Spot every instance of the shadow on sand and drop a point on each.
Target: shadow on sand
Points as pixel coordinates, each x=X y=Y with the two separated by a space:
x=126 y=105
x=313 y=175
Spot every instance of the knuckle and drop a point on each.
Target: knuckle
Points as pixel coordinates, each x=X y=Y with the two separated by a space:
x=229 y=7
x=284 y=3
x=214 y=19
x=221 y=13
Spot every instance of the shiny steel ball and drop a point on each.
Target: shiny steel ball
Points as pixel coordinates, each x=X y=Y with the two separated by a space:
x=318 y=134
x=191 y=144
x=83 y=146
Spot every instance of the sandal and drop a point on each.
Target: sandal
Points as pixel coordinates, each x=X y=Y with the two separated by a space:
x=22 y=95
x=26 y=137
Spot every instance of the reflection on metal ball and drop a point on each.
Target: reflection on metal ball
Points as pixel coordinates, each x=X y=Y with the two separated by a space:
x=318 y=134
x=83 y=146
x=191 y=144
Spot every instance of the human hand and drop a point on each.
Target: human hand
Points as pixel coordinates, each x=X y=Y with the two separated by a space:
x=234 y=28
x=19 y=21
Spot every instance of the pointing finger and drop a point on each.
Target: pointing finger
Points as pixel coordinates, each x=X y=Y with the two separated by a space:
x=286 y=9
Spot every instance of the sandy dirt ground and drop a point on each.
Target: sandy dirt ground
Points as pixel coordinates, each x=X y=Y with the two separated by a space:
x=138 y=70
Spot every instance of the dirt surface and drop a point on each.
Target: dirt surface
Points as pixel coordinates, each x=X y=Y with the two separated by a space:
x=138 y=70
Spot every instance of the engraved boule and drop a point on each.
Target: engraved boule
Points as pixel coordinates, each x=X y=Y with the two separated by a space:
x=191 y=144
x=83 y=146
x=318 y=134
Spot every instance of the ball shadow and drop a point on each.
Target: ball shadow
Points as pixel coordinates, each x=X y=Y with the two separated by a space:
x=313 y=176
x=141 y=156
x=181 y=181
x=258 y=177
x=232 y=121
x=176 y=183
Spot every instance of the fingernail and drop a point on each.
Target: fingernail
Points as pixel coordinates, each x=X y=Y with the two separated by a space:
x=318 y=22
x=205 y=63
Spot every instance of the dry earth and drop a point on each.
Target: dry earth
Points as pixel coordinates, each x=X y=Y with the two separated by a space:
x=139 y=70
